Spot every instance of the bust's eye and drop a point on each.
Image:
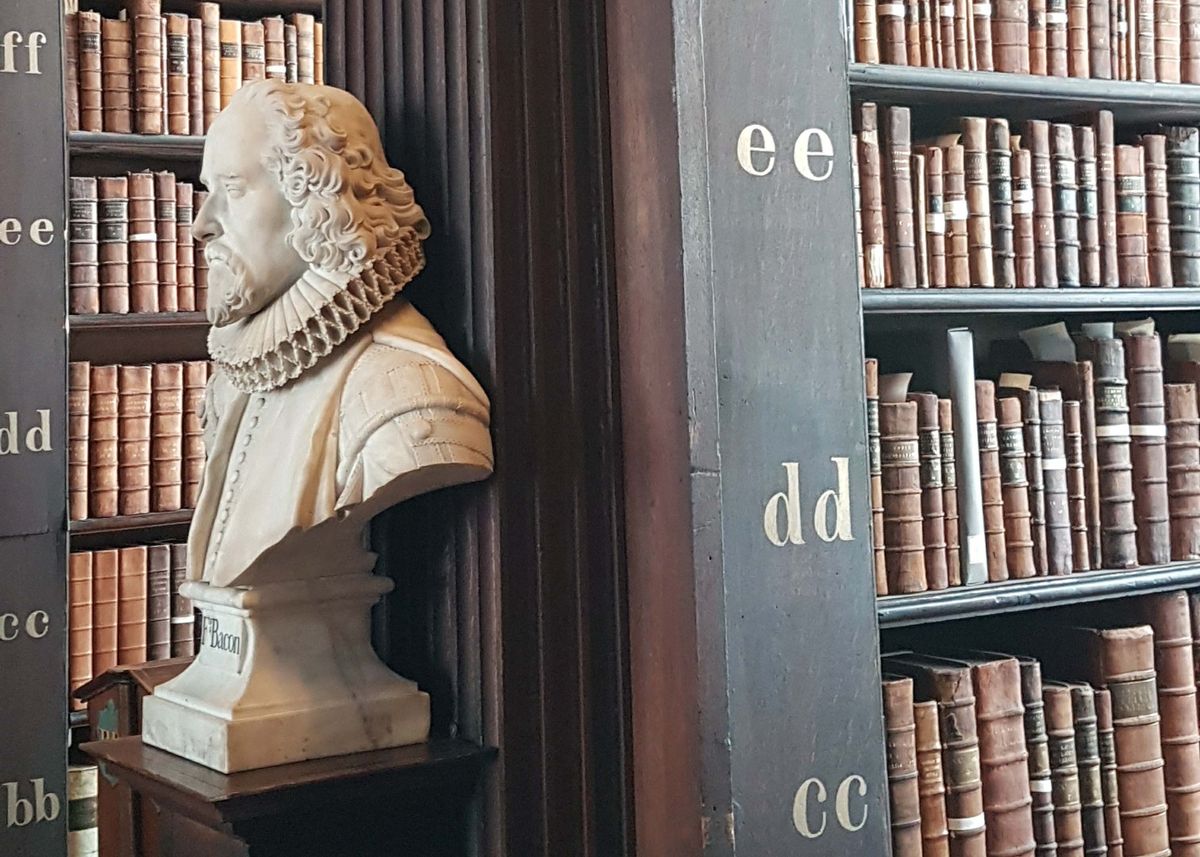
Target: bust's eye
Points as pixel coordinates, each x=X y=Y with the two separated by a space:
x=235 y=189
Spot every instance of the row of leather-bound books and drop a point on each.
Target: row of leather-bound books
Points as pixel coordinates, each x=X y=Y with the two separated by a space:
x=124 y=607
x=1036 y=204
x=135 y=442
x=146 y=72
x=1085 y=457
x=1071 y=741
x=131 y=245
x=1148 y=40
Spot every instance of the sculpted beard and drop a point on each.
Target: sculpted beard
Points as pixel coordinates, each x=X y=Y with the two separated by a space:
x=232 y=294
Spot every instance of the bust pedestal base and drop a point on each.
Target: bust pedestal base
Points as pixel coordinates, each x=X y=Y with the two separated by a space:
x=285 y=672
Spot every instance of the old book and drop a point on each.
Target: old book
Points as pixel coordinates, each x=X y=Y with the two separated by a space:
x=158 y=602
x=179 y=107
x=84 y=255
x=1024 y=242
x=79 y=621
x=973 y=541
x=902 y=521
x=958 y=246
x=1158 y=224
x=929 y=444
x=231 y=60
x=1066 y=203
x=1000 y=181
x=105 y=565
x=195 y=76
x=182 y=613
x=1118 y=541
x=1189 y=15
x=1037 y=36
x=131 y=605
x=1148 y=447
x=1167 y=41
x=78 y=409
x=1088 y=207
x=1099 y=40
x=143 y=243
x=1145 y=60
x=291 y=50
x=166 y=438
x=253 y=51
x=1108 y=773
x=195 y=377
x=935 y=216
x=185 y=248
x=1037 y=744
x=1183 y=470
x=871 y=372
x=931 y=784
x=1183 y=203
x=1126 y=51
x=167 y=230
x=1014 y=481
x=1032 y=417
x=319 y=53
x=199 y=197
x=912 y=31
x=306 y=47
x=91 y=86
x=1078 y=500
x=210 y=27
x=102 y=442
x=133 y=435
x=71 y=67
x=1106 y=192
x=1054 y=472
x=274 y=50
x=898 y=195
x=1010 y=36
x=929 y=57
x=117 y=76
x=1087 y=759
x=162 y=68
x=949 y=491
x=856 y=190
x=991 y=481
x=1037 y=137
x=1132 y=247
x=1078 y=50
x=917 y=171
x=1064 y=770
x=1056 y=38
x=148 y=81
x=979 y=216
x=870 y=178
x=903 y=788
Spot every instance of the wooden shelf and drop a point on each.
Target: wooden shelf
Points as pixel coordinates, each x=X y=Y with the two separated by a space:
x=138 y=321
x=1024 y=95
x=139 y=337
x=130 y=529
x=950 y=301
x=988 y=599
x=88 y=144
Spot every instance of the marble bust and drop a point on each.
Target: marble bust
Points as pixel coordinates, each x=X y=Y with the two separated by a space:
x=331 y=400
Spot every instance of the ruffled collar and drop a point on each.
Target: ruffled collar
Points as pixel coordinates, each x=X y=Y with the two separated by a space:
x=309 y=320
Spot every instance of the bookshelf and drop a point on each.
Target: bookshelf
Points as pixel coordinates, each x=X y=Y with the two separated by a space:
x=923 y=302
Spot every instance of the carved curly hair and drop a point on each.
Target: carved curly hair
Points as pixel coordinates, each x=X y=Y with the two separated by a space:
x=348 y=205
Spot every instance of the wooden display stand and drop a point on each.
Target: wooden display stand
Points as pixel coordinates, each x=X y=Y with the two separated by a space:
x=404 y=801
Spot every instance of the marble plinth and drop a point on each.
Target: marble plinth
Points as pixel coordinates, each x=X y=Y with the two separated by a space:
x=284 y=672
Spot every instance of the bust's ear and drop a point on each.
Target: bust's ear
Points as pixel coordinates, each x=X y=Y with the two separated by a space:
x=422 y=227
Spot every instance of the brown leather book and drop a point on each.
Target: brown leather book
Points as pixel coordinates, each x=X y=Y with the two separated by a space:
x=1014 y=481
x=167 y=229
x=185 y=248
x=195 y=76
x=1037 y=36
x=1106 y=188
x=949 y=490
x=179 y=108
x=102 y=442
x=1099 y=39
x=1037 y=745
x=1167 y=42
x=904 y=550
x=1183 y=470
x=105 y=565
x=871 y=372
x=1183 y=202
x=929 y=38
x=1037 y=138
x=935 y=837
x=195 y=377
x=1108 y=773
x=1054 y=471
x=999 y=164
x=306 y=53
x=935 y=215
x=979 y=216
x=1088 y=206
x=133 y=435
x=917 y=171
x=1132 y=247
x=1024 y=242
x=1158 y=221
x=1066 y=204
x=929 y=444
x=116 y=63
x=1148 y=447
x=1064 y=769
x=1078 y=500
x=866 y=34
x=158 y=602
x=183 y=620
x=79 y=622
x=162 y=68
x=1118 y=536
x=903 y=788
x=210 y=27
x=198 y=199
x=254 y=52
x=1189 y=15
x=275 y=53
x=1087 y=759
x=1078 y=49
x=319 y=53
x=912 y=31
x=166 y=438
x=870 y=178
x=1143 y=31
x=84 y=264
x=1010 y=32
x=143 y=244
x=1126 y=50
x=291 y=49
x=1032 y=417
x=148 y=81
x=78 y=410
x=958 y=245
x=1056 y=38
x=89 y=51
x=856 y=190
x=231 y=60
x=991 y=480
x=131 y=605
x=71 y=68
x=898 y=194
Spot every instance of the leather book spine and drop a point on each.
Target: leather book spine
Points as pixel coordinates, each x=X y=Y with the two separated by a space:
x=935 y=837
x=158 y=602
x=1108 y=773
x=1004 y=759
x=935 y=216
x=292 y=58
x=1146 y=59
x=102 y=442
x=912 y=31
x=79 y=621
x=856 y=189
x=1032 y=417
x=143 y=244
x=133 y=439
x=871 y=371
x=929 y=52
x=210 y=28
x=1014 y=481
x=306 y=47
x=195 y=377
x=183 y=616
x=1132 y=247
x=195 y=76
x=979 y=216
x=1099 y=40
x=920 y=227
x=903 y=788
x=1088 y=207
x=991 y=481
x=1158 y=222
x=147 y=65
x=870 y=178
x=1126 y=656
x=929 y=443
x=973 y=541
x=1189 y=19
x=91 y=71
x=1078 y=50
x=166 y=229
x=1066 y=208
x=1127 y=14
x=981 y=20
x=71 y=68
x=1118 y=534
x=904 y=550
x=949 y=490
x=1194 y=604
x=1037 y=37
x=319 y=53
x=185 y=248
x=1037 y=137
x=78 y=410
x=999 y=164
x=1037 y=744
x=1183 y=470
x=275 y=52
x=84 y=267
x=179 y=108
x=231 y=59
x=898 y=195
x=1024 y=243
x=1166 y=41
x=1056 y=38
x=1077 y=496
x=1054 y=473
x=1148 y=447
x=1183 y=203
x=1010 y=36
x=131 y=605
x=116 y=63
x=162 y=69
x=1087 y=759
x=1064 y=770
x=198 y=199
x=105 y=565
x=1106 y=187
x=958 y=254
x=254 y=51
x=166 y=438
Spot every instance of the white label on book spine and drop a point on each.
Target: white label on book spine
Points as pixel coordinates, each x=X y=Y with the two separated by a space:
x=1056 y=18
x=1054 y=464
x=981 y=10
x=891 y=10
x=935 y=223
x=948 y=10
x=143 y=236
x=1024 y=207
x=1148 y=431
x=1040 y=786
x=956 y=209
x=1117 y=432
x=963 y=825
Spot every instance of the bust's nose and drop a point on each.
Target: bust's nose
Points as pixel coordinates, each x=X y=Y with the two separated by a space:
x=204 y=225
